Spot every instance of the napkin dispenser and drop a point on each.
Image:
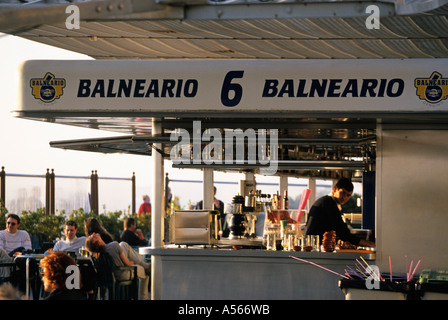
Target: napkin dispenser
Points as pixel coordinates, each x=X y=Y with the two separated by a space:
x=192 y=227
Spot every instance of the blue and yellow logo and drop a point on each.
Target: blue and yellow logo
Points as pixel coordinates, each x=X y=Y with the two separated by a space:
x=433 y=89
x=48 y=88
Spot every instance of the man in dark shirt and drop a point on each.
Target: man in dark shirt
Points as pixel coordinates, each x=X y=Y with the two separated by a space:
x=131 y=235
x=325 y=215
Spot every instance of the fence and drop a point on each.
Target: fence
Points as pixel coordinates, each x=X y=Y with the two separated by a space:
x=63 y=192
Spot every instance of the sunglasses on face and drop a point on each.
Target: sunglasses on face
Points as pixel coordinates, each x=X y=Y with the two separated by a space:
x=11 y=223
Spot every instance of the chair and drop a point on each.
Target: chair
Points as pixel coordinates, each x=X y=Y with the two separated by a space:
x=123 y=288
x=8 y=272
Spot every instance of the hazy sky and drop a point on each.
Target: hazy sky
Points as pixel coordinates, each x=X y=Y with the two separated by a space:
x=24 y=144
x=25 y=149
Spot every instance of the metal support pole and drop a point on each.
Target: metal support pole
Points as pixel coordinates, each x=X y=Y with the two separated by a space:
x=207 y=189
x=94 y=192
x=157 y=230
x=47 y=192
x=27 y=276
x=133 y=209
x=52 y=193
x=166 y=196
x=3 y=185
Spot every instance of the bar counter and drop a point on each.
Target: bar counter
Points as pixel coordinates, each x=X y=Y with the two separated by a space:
x=210 y=273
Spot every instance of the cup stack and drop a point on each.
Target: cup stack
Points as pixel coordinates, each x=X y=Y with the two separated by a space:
x=329 y=241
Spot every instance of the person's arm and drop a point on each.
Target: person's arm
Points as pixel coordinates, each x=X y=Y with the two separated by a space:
x=132 y=239
x=125 y=260
x=57 y=246
x=2 y=241
x=27 y=241
x=366 y=243
x=139 y=234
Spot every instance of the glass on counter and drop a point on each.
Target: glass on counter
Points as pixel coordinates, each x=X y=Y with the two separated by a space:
x=272 y=234
x=286 y=226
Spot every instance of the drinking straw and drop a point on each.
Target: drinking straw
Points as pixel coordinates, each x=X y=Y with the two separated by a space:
x=360 y=271
x=355 y=273
x=303 y=200
x=319 y=266
x=410 y=268
x=372 y=271
x=390 y=269
x=358 y=268
x=348 y=275
x=415 y=269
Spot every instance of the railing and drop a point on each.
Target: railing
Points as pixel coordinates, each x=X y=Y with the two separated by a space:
x=84 y=198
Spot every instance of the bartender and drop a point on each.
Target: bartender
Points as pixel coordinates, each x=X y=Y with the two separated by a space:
x=325 y=215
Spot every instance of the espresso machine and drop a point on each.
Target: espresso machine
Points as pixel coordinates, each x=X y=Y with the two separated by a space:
x=243 y=216
x=237 y=222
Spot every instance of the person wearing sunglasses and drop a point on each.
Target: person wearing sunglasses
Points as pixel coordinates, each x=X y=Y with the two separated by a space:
x=12 y=239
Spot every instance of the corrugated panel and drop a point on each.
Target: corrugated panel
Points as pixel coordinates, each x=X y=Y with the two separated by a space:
x=310 y=27
x=437 y=48
x=436 y=25
x=279 y=27
x=278 y=38
x=408 y=48
x=326 y=47
x=341 y=28
x=381 y=47
x=299 y=47
x=256 y=49
x=355 y=49
x=406 y=27
x=218 y=49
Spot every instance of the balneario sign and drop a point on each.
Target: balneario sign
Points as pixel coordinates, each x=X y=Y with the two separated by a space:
x=236 y=86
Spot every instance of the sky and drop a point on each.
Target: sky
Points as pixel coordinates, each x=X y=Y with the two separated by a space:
x=25 y=149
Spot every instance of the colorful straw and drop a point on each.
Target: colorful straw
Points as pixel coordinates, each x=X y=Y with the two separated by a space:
x=319 y=266
x=416 y=267
x=371 y=270
x=303 y=201
x=410 y=269
x=390 y=269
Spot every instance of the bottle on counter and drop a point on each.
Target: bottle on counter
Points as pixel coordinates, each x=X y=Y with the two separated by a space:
x=285 y=200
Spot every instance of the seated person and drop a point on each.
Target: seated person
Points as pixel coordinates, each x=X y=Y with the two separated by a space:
x=92 y=225
x=12 y=239
x=5 y=258
x=71 y=242
x=55 y=277
x=131 y=235
x=122 y=255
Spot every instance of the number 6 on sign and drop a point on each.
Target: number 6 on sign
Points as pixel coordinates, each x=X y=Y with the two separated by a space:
x=228 y=86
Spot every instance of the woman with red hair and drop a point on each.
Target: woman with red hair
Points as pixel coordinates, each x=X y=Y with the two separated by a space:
x=56 y=268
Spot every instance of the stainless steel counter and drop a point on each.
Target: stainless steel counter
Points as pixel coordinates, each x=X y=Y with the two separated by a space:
x=211 y=273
